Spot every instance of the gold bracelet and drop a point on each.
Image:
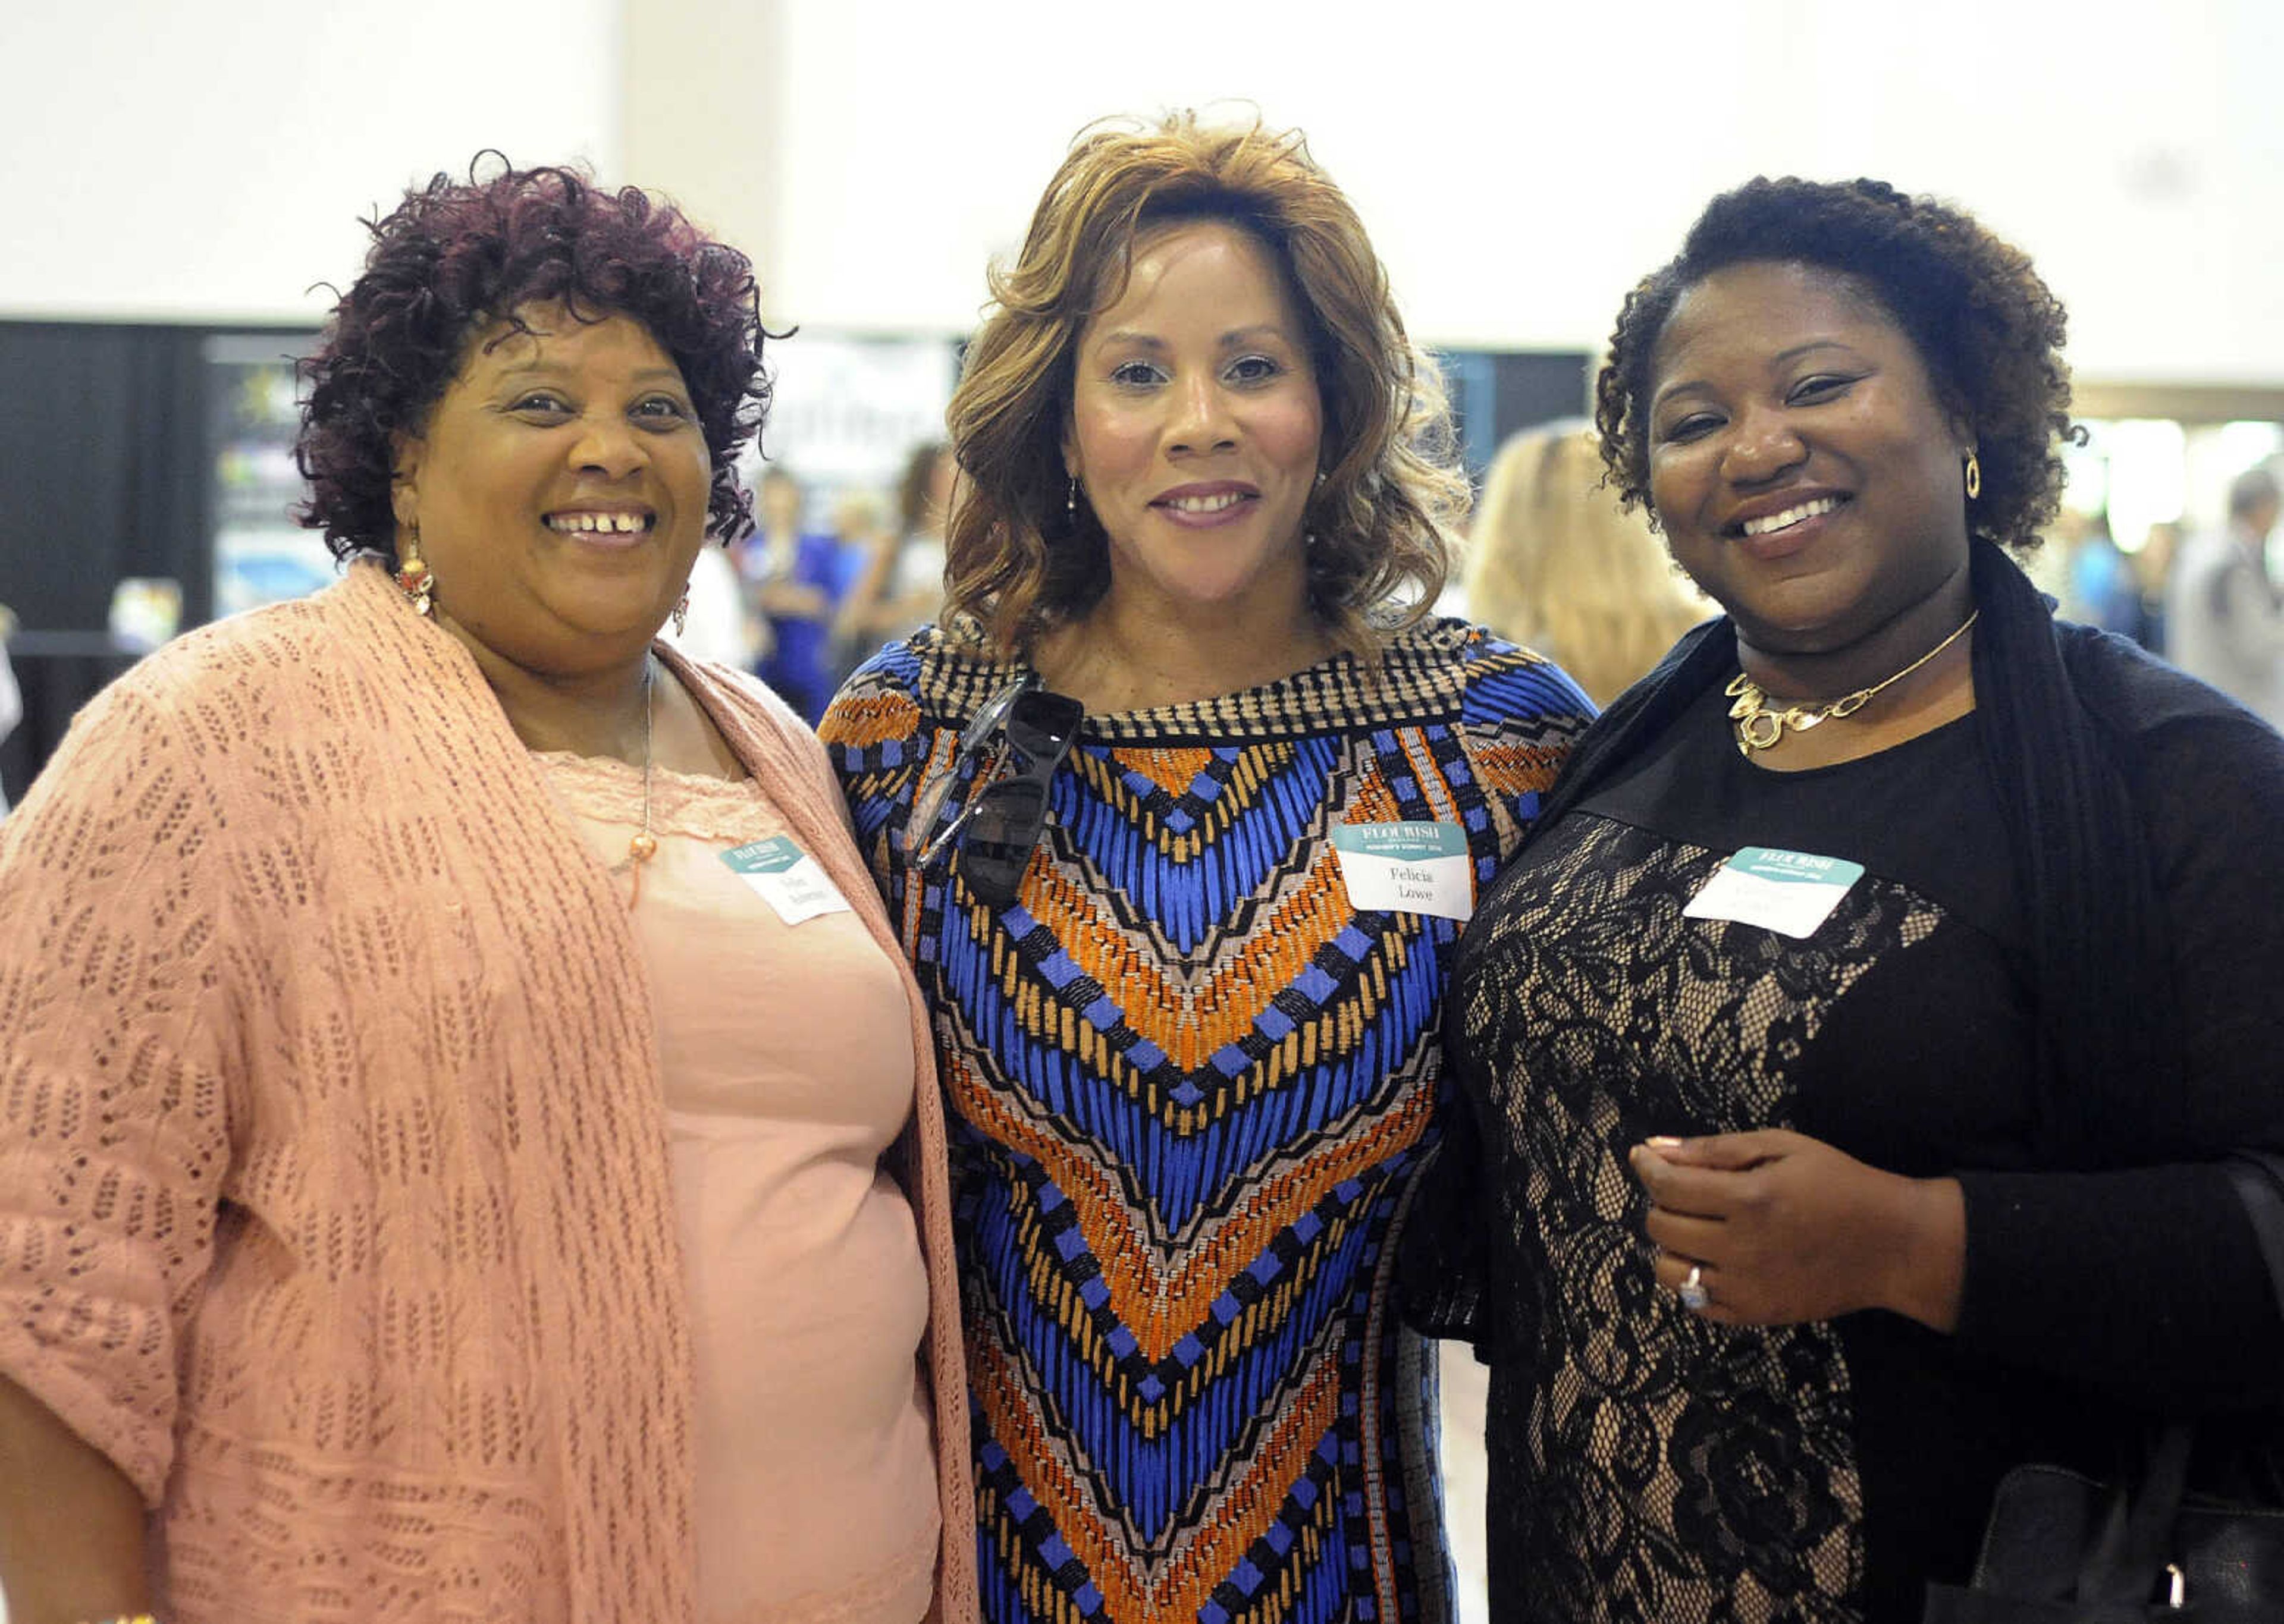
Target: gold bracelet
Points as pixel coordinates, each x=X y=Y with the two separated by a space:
x=138 y=1618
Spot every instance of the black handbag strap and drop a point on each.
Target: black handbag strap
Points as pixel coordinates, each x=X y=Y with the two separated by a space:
x=2258 y=1176
x=2123 y=1564
x=2132 y=1545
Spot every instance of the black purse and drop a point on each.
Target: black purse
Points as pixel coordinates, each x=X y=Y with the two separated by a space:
x=2062 y=1548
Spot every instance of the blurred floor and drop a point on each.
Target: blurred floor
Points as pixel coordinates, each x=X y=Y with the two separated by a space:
x=1466 y=1386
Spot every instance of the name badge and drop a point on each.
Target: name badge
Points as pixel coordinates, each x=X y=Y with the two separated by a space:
x=786 y=878
x=1420 y=868
x=1791 y=892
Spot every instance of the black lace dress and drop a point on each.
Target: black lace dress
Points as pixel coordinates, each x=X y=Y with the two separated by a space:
x=1648 y=1466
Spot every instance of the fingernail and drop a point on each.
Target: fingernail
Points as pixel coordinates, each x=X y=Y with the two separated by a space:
x=1663 y=1142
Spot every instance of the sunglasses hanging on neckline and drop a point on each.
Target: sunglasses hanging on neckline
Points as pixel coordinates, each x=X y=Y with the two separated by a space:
x=998 y=828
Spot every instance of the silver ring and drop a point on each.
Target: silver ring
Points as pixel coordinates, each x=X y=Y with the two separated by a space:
x=1692 y=1290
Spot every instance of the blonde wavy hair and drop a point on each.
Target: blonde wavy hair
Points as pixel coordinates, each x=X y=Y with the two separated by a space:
x=1556 y=562
x=1017 y=564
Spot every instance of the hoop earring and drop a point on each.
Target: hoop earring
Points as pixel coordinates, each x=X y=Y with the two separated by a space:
x=413 y=577
x=681 y=614
x=1974 y=476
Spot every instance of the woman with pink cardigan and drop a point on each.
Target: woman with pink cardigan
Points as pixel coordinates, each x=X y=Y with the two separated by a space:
x=468 y=1144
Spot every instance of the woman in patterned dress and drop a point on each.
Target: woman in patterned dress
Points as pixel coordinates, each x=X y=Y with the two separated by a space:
x=1178 y=813
x=1852 y=1055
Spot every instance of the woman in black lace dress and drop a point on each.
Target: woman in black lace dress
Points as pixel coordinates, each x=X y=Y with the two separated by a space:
x=1846 y=1061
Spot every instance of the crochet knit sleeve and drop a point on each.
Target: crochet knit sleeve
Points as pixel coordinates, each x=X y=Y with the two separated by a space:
x=114 y=1119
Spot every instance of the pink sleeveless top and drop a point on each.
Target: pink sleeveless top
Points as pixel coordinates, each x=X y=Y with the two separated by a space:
x=786 y=1051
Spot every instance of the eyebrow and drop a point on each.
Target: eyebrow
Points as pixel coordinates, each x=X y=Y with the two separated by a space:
x=540 y=364
x=1235 y=335
x=1775 y=361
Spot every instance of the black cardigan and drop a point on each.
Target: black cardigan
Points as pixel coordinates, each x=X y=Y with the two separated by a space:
x=2067 y=717
x=2088 y=739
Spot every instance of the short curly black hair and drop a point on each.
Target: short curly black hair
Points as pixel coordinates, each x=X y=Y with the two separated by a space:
x=1989 y=331
x=456 y=257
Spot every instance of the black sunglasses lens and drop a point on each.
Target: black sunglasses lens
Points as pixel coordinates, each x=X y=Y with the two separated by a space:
x=997 y=846
x=1042 y=724
x=1000 y=834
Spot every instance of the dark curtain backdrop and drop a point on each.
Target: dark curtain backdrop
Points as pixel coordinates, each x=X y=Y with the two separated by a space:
x=1539 y=387
x=105 y=458
x=1498 y=392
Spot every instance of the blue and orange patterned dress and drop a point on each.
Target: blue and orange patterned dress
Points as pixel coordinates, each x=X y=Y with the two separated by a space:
x=1190 y=1088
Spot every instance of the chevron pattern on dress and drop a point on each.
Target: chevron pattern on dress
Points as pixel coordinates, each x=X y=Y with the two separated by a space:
x=1192 y=1088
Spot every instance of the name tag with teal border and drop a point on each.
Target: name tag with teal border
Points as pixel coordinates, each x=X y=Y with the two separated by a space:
x=1792 y=893
x=1420 y=868
x=786 y=878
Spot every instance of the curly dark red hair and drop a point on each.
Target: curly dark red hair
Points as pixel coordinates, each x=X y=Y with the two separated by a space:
x=456 y=257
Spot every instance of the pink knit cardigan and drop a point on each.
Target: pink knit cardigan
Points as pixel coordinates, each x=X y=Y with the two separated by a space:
x=333 y=1200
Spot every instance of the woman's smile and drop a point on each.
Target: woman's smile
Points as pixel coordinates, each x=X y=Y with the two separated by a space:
x=1205 y=507
x=1805 y=469
x=604 y=527
x=559 y=489
x=1195 y=413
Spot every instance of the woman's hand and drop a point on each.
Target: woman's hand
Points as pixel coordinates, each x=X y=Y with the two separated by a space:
x=1782 y=1228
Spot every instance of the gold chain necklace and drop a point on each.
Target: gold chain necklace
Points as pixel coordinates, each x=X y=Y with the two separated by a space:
x=1760 y=725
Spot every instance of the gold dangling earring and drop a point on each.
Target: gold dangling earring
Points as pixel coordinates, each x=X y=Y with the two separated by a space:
x=413 y=577
x=1974 y=476
x=1071 y=502
x=681 y=611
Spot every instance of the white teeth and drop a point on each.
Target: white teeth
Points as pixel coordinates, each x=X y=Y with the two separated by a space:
x=574 y=524
x=1205 y=505
x=1790 y=516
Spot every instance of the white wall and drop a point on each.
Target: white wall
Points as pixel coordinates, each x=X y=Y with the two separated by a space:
x=1518 y=162
x=199 y=159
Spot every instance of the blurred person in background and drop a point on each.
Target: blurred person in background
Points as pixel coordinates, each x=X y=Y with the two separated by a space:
x=901 y=586
x=864 y=536
x=794 y=578
x=1181 y=807
x=2225 y=618
x=1555 y=563
x=1850 y=1062
x=2098 y=585
x=453 y=1054
x=2153 y=577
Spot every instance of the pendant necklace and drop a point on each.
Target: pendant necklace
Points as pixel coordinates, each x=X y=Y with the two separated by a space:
x=644 y=847
x=1759 y=724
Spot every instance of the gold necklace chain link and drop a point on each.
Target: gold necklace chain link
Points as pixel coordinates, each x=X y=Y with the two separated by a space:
x=1759 y=725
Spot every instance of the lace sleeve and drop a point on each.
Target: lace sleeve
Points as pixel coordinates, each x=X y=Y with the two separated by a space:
x=1440 y=1267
